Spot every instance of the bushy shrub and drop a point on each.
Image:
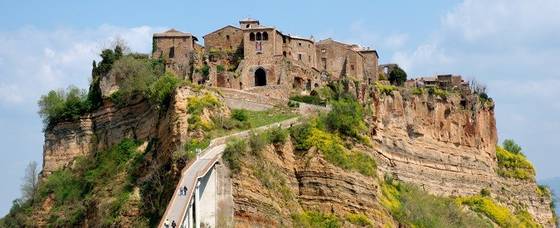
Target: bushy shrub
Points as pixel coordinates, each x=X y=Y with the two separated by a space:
x=314 y=100
x=360 y=220
x=314 y=219
x=61 y=105
x=438 y=92
x=234 y=151
x=257 y=142
x=299 y=134
x=240 y=115
x=499 y=214
x=204 y=70
x=333 y=150
x=346 y=117
x=511 y=146
x=136 y=74
x=416 y=208
x=277 y=135
x=385 y=89
x=397 y=76
x=195 y=107
x=514 y=165
x=418 y=91
x=160 y=91
x=192 y=145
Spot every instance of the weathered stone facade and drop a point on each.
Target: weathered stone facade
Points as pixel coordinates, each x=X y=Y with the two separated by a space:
x=176 y=49
x=262 y=59
x=226 y=38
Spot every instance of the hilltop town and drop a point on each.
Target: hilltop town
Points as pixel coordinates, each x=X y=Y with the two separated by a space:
x=260 y=128
x=264 y=60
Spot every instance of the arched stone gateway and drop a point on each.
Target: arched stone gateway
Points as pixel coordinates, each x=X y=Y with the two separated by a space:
x=260 y=77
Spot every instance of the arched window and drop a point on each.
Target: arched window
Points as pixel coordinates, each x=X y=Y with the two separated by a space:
x=227 y=37
x=247 y=26
x=259 y=36
x=252 y=37
x=260 y=77
x=265 y=36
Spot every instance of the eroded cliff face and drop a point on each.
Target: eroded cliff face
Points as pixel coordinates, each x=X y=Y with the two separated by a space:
x=447 y=147
x=300 y=183
x=110 y=124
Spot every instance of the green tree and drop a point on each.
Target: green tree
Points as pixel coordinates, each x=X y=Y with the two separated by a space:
x=346 y=117
x=397 y=76
x=511 y=146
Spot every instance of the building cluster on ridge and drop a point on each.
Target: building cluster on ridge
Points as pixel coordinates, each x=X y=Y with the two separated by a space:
x=264 y=60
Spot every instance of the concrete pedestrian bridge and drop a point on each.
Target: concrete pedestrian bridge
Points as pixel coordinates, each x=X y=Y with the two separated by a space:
x=199 y=206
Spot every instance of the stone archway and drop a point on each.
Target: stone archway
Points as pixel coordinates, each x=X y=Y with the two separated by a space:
x=260 y=77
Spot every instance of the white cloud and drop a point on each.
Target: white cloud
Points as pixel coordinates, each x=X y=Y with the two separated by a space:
x=426 y=56
x=506 y=20
x=35 y=61
x=396 y=41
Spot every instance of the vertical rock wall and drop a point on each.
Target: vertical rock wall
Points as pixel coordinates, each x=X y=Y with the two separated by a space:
x=447 y=147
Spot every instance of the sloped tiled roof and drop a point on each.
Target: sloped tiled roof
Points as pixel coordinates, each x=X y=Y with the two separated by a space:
x=172 y=33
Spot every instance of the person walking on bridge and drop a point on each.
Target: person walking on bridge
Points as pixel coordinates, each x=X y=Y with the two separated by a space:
x=173 y=224
x=166 y=223
x=185 y=190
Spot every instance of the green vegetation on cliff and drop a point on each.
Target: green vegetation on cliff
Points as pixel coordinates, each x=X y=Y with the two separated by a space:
x=105 y=180
x=513 y=164
x=328 y=133
x=416 y=208
x=497 y=213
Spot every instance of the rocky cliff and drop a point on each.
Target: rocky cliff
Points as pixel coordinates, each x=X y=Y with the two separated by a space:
x=444 y=145
x=448 y=147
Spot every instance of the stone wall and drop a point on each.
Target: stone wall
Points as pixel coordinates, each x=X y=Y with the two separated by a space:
x=183 y=49
x=340 y=60
x=303 y=51
x=226 y=38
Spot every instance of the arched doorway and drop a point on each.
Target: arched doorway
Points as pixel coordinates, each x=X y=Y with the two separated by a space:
x=260 y=77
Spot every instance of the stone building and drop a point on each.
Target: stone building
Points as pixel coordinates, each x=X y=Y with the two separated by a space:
x=228 y=38
x=262 y=59
x=176 y=49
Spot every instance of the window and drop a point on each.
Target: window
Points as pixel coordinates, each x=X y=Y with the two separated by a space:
x=252 y=36
x=247 y=26
x=324 y=62
x=265 y=36
x=299 y=44
x=259 y=36
x=172 y=52
x=323 y=50
x=283 y=39
x=352 y=67
x=258 y=46
x=227 y=37
x=309 y=57
x=299 y=57
x=284 y=53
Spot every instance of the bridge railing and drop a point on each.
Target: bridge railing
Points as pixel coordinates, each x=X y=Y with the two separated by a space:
x=201 y=173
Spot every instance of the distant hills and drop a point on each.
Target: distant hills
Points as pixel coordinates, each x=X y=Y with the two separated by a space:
x=554 y=184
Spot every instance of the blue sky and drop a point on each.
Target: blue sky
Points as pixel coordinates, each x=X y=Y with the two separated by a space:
x=510 y=45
